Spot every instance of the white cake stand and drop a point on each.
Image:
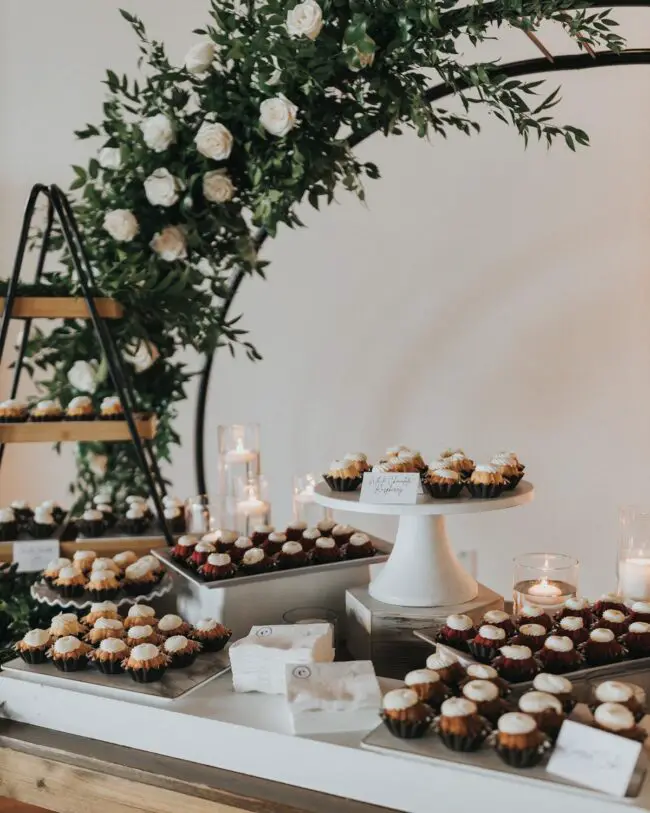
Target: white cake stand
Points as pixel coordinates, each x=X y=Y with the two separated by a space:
x=423 y=570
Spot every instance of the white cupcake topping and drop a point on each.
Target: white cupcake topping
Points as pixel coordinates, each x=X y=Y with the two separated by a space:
x=492 y=633
x=144 y=652
x=227 y=537
x=641 y=607
x=43 y=515
x=536 y=702
x=553 y=684
x=291 y=548
x=97 y=576
x=253 y=556
x=186 y=541
x=171 y=512
x=495 y=617
x=141 y=611
x=92 y=515
x=533 y=630
x=614 y=598
x=36 y=638
x=532 y=611
x=141 y=632
x=447 y=474
x=487 y=468
x=134 y=499
x=170 y=622
x=103 y=606
x=124 y=558
x=7 y=515
x=400 y=700
x=639 y=627
x=168 y=502
x=481 y=671
x=80 y=402
x=219 y=559
x=297 y=525
x=57 y=564
x=102 y=499
x=84 y=556
x=19 y=505
x=458 y=707
x=614 y=717
x=67 y=644
x=112 y=645
x=264 y=529
x=175 y=643
x=69 y=572
x=63 y=618
x=243 y=543
x=277 y=536
x=572 y=623
x=441 y=660
x=480 y=691
x=206 y=624
x=138 y=570
x=136 y=511
x=601 y=636
x=358 y=539
x=325 y=542
x=558 y=643
x=339 y=530
x=356 y=457
x=614 y=616
x=514 y=722
x=614 y=691
x=577 y=603
x=325 y=525
x=108 y=624
x=204 y=547
x=516 y=653
x=459 y=622
x=103 y=563
x=418 y=676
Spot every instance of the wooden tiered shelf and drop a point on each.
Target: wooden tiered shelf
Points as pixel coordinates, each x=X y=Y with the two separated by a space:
x=61 y=307
x=64 y=431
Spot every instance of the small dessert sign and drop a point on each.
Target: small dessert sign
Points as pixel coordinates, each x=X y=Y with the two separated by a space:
x=34 y=555
x=389 y=488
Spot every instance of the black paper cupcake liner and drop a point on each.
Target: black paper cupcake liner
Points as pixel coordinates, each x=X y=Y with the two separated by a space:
x=221 y=577
x=513 y=481
x=177 y=525
x=58 y=515
x=605 y=660
x=137 y=588
x=90 y=417
x=91 y=528
x=556 y=667
x=461 y=644
x=8 y=531
x=13 y=418
x=112 y=417
x=442 y=491
x=147 y=675
x=464 y=742
x=407 y=729
x=71 y=664
x=70 y=590
x=213 y=644
x=523 y=757
x=181 y=661
x=485 y=491
x=33 y=656
x=23 y=516
x=343 y=483
x=39 y=530
x=109 y=520
x=134 y=527
x=482 y=653
x=256 y=570
x=45 y=418
x=109 y=667
x=352 y=555
x=106 y=594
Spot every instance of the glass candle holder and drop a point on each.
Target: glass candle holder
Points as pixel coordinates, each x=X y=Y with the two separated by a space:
x=633 y=565
x=313 y=615
x=545 y=579
x=239 y=454
x=206 y=513
x=305 y=508
x=252 y=506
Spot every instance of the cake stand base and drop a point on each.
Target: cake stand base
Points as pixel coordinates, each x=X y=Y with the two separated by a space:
x=383 y=633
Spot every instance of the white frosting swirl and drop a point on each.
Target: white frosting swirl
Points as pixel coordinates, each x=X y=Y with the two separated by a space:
x=264 y=529
x=601 y=635
x=533 y=630
x=358 y=539
x=558 y=643
x=138 y=570
x=441 y=660
x=171 y=512
x=325 y=525
x=92 y=515
x=572 y=623
x=613 y=691
x=481 y=671
x=577 y=603
x=7 y=515
x=340 y=530
x=486 y=468
x=516 y=653
x=480 y=691
x=186 y=541
x=144 y=652
x=641 y=607
x=80 y=402
x=536 y=702
x=67 y=644
x=639 y=627
x=36 y=638
x=170 y=622
x=614 y=598
x=458 y=707
x=552 y=684
x=459 y=622
x=141 y=611
x=614 y=717
x=356 y=457
x=141 y=632
x=19 y=505
x=515 y=722
x=614 y=616
x=112 y=645
x=67 y=573
x=102 y=499
x=532 y=611
x=495 y=617
x=84 y=556
x=297 y=525
x=243 y=543
x=57 y=564
x=325 y=542
x=400 y=700
x=291 y=548
x=125 y=558
x=134 y=499
x=43 y=515
x=98 y=576
x=253 y=556
x=491 y=633
x=108 y=624
x=277 y=536
x=104 y=563
x=136 y=511
x=204 y=547
x=206 y=624
x=175 y=643
x=447 y=474
x=418 y=676
x=219 y=559
x=63 y=618
x=103 y=607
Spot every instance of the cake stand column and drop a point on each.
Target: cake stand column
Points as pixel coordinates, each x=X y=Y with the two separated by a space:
x=423 y=570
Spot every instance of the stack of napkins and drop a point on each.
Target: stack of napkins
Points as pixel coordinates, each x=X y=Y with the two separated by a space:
x=328 y=697
x=259 y=661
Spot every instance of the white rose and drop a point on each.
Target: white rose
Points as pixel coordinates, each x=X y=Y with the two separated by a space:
x=170 y=244
x=278 y=115
x=213 y=140
x=82 y=377
x=143 y=356
x=305 y=20
x=97 y=463
x=199 y=58
x=158 y=132
x=121 y=224
x=110 y=158
x=162 y=188
x=217 y=186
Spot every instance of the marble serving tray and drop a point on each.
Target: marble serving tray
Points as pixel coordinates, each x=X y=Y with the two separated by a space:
x=383 y=551
x=174 y=684
x=430 y=749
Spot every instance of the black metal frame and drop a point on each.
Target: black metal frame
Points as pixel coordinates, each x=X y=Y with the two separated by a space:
x=58 y=206
x=524 y=68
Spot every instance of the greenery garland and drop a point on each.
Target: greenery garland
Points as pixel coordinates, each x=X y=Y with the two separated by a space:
x=261 y=116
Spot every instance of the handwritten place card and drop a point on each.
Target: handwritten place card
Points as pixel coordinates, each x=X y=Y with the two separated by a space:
x=35 y=554
x=594 y=758
x=396 y=489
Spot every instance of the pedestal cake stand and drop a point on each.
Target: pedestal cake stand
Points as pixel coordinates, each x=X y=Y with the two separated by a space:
x=422 y=570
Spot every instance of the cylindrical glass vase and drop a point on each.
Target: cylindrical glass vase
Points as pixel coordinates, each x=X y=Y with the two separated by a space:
x=239 y=455
x=252 y=506
x=633 y=566
x=207 y=513
x=305 y=508
x=544 y=579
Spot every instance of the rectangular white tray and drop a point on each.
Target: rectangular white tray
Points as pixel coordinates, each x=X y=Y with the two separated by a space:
x=381 y=545
x=174 y=684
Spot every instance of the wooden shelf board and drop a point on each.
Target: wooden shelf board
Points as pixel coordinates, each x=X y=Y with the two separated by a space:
x=140 y=545
x=61 y=307
x=65 y=431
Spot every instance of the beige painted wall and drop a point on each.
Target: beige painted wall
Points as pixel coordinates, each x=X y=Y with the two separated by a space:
x=488 y=296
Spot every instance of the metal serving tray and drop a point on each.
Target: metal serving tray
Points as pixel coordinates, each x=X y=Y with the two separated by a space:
x=381 y=545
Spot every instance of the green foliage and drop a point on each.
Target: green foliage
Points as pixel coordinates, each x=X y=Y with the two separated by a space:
x=18 y=611
x=367 y=70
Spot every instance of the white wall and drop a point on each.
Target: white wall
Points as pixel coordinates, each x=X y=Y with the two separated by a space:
x=488 y=296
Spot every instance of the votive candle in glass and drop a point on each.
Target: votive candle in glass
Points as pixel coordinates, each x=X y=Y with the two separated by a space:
x=634 y=553
x=545 y=579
